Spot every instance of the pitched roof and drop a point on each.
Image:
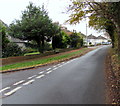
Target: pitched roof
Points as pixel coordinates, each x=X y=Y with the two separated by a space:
x=91 y=37
x=101 y=37
x=66 y=30
x=1 y=22
x=94 y=37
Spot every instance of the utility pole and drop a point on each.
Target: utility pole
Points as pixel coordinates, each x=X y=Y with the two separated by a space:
x=86 y=32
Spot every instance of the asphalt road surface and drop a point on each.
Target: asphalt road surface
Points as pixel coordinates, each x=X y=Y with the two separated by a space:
x=78 y=81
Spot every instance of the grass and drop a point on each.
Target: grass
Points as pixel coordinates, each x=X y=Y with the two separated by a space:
x=31 y=53
x=42 y=61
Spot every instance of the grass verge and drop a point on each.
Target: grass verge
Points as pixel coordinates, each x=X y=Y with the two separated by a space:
x=43 y=61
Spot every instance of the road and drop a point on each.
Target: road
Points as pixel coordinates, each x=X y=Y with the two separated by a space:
x=78 y=81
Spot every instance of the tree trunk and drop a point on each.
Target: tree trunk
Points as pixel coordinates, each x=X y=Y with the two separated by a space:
x=118 y=34
x=43 y=45
x=53 y=43
x=39 y=45
x=119 y=42
x=113 y=40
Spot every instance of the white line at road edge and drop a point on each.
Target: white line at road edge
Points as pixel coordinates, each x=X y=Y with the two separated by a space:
x=19 y=82
x=60 y=65
x=4 y=89
x=68 y=62
x=40 y=76
x=30 y=81
x=12 y=91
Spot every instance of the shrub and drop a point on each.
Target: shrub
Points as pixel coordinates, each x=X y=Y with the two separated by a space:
x=11 y=49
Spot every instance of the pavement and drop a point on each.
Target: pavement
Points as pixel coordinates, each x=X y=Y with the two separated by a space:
x=77 y=81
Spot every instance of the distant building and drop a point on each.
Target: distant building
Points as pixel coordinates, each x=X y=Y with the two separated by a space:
x=66 y=30
x=19 y=42
x=93 y=40
x=101 y=40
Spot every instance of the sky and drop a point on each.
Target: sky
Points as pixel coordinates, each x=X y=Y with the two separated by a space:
x=12 y=9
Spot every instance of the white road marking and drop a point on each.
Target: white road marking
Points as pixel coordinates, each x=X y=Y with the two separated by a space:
x=48 y=72
x=41 y=72
x=60 y=66
x=30 y=81
x=48 y=69
x=12 y=91
x=71 y=60
x=40 y=76
x=19 y=82
x=4 y=89
x=63 y=62
x=32 y=76
x=68 y=62
x=55 y=68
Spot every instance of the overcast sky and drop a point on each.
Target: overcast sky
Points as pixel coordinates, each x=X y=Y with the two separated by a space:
x=11 y=10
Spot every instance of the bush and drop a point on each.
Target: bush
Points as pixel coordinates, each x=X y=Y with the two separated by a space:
x=47 y=46
x=11 y=49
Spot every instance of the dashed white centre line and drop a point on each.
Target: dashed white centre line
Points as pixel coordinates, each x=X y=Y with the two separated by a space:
x=55 y=68
x=40 y=76
x=32 y=76
x=19 y=82
x=41 y=72
x=48 y=69
x=48 y=72
x=30 y=81
x=4 y=89
x=63 y=62
x=12 y=91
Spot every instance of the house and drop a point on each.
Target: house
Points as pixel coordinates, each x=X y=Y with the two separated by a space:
x=101 y=40
x=19 y=42
x=66 y=30
x=93 y=40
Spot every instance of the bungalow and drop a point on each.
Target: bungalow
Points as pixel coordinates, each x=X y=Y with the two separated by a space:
x=93 y=40
x=19 y=42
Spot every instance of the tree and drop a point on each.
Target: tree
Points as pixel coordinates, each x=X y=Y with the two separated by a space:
x=8 y=48
x=65 y=40
x=75 y=40
x=101 y=23
x=57 y=38
x=35 y=25
x=5 y=41
x=102 y=10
